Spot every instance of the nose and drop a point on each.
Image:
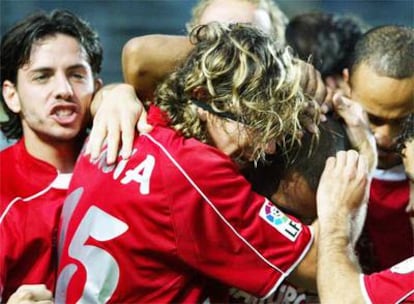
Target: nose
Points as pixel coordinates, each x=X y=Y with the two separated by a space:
x=63 y=87
x=385 y=136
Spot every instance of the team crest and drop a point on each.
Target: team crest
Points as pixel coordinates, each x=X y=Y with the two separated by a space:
x=282 y=223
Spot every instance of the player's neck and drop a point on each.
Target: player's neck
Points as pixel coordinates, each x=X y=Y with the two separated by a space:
x=60 y=154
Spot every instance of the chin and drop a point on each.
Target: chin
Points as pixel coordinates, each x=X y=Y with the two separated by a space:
x=388 y=161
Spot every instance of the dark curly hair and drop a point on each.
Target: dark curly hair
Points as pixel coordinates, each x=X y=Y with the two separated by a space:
x=326 y=39
x=17 y=42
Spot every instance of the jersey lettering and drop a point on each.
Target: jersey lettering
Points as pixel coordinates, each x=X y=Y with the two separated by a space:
x=102 y=270
x=141 y=174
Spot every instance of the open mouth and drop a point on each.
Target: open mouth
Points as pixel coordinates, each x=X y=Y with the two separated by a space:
x=64 y=114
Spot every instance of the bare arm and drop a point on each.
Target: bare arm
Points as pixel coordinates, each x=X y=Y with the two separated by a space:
x=148 y=59
x=304 y=275
x=345 y=177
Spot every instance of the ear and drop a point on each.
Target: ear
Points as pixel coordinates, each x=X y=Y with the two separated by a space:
x=202 y=114
x=11 y=97
x=98 y=84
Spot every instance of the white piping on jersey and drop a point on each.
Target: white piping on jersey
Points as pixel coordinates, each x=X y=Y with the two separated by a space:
x=405 y=296
x=364 y=289
x=60 y=182
x=212 y=205
x=396 y=173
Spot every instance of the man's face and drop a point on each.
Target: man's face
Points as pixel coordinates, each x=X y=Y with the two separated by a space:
x=54 y=90
x=387 y=101
x=236 y=11
x=233 y=138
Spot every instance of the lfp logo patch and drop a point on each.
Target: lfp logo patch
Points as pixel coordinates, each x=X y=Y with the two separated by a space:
x=276 y=218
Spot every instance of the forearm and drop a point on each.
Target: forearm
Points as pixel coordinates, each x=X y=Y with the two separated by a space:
x=148 y=59
x=304 y=275
x=337 y=275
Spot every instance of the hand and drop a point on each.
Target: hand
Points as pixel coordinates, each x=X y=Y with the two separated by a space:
x=342 y=187
x=406 y=145
x=313 y=86
x=408 y=158
x=119 y=113
x=27 y=294
x=357 y=128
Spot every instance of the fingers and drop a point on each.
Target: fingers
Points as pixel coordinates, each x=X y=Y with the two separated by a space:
x=115 y=122
x=36 y=293
x=113 y=143
x=313 y=86
x=309 y=124
x=96 y=139
x=342 y=187
x=142 y=125
x=128 y=134
x=327 y=105
x=363 y=168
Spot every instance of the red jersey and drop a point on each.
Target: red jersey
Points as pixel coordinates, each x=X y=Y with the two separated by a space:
x=160 y=226
x=31 y=197
x=394 y=285
x=388 y=234
x=285 y=294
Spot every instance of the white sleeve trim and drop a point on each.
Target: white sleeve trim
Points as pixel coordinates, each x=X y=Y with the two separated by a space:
x=364 y=289
x=294 y=265
x=396 y=173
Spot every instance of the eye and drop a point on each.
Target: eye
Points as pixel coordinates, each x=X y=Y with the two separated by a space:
x=375 y=120
x=78 y=76
x=40 y=77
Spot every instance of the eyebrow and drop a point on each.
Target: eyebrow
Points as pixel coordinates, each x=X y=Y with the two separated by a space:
x=46 y=69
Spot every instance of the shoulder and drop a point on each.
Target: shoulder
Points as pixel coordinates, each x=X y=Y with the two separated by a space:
x=189 y=153
x=391 y=285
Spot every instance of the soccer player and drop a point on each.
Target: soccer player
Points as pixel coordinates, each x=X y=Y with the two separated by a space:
x=49 y=75
x=338 y=274
x=265 y=14
x=381 y=79
x=177 y=222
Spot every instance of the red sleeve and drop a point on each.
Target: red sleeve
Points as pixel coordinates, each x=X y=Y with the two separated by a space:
x=394 y=285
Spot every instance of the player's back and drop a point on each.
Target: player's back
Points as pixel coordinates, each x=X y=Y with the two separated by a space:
x=121 y=236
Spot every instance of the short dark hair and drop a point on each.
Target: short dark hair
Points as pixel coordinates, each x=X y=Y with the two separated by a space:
x=307 y=159
x=388 y=50
x=327 y=39
x=17 y=42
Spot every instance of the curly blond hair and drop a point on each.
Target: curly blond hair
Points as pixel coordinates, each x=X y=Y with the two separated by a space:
x=278 y=19
x=243 y=74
